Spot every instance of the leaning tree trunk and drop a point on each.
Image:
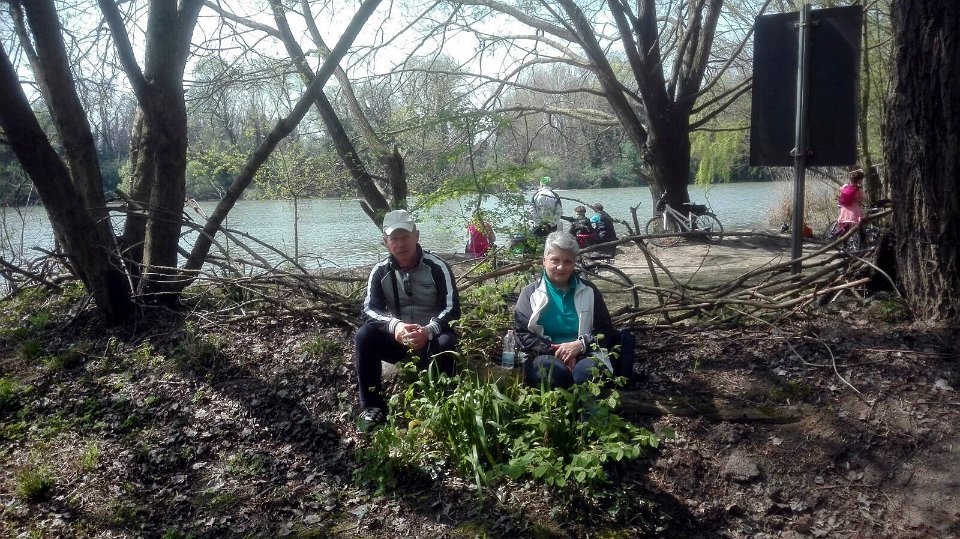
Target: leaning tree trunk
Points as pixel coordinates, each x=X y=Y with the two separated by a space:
x=922 y=141
x=70 y=187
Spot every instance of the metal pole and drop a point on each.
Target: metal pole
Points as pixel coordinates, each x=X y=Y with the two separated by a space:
x=800 y=150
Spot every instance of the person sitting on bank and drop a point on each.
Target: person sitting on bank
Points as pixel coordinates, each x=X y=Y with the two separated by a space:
x=480 y=235
x=545 y=208
x=560 y=317
x=411 y=300
x=604 y=230
x=581 y=227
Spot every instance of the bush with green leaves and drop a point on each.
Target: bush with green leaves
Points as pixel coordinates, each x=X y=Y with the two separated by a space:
x=485 y=317
x=561 y=438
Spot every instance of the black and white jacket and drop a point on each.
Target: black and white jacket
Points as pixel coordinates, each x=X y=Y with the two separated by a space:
x=432 y=301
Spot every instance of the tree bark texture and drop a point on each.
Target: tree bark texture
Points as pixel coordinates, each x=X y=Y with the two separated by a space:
x=159 y=185
x=141 y=184
x=83 y=231
x=923 y=154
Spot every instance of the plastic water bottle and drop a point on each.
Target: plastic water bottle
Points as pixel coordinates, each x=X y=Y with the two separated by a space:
x=509 y=349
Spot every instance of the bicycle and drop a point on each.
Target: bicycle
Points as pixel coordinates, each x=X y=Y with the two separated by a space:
x=699 y=219
x=864 y=237
x=616 y=286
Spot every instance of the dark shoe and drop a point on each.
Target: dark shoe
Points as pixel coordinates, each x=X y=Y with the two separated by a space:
x=370 y=419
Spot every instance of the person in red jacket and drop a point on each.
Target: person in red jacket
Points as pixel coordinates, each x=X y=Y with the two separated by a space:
x=480 y=235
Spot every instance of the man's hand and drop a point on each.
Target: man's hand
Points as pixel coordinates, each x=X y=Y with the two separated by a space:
x=414 y=336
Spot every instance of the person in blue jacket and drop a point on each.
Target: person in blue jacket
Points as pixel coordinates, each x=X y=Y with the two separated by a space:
x=411 y=300
x=604 y=230
x=559 y=319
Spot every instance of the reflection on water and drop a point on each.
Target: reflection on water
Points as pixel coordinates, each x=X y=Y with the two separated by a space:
x=336 y=233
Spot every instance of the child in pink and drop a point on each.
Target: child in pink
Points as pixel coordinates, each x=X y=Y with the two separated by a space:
x=480 y=236
x=851 y=200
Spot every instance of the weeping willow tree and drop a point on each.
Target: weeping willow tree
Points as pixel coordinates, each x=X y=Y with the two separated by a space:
x=717 y=154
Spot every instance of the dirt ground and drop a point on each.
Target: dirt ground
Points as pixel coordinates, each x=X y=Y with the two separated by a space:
x=842 y=422
x=833 y=427
x=702 y=263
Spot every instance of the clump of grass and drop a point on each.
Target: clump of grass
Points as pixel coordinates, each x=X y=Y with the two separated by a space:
x=68 y=359
x=30 y=350
x=90 y=457
x=197 y=351
x=33 y=484
x=9 y=393
x=323 y=346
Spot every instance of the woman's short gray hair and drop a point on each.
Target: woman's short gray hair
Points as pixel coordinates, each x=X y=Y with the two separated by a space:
x=561 y=240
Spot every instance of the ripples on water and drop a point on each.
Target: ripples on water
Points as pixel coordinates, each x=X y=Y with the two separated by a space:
x=336 y=233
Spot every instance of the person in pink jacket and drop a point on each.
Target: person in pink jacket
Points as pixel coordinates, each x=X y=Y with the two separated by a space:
x=851 y=200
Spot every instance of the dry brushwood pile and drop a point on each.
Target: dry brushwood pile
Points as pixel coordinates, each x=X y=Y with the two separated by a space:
x=235 y=417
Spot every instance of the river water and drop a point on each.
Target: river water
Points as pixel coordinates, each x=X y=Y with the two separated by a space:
x=335 y=233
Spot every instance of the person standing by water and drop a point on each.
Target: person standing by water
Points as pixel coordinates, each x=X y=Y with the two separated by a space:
x=546 y=209
x=603 y=225
x=480 y=235
x=558 y=319
x=411 y=300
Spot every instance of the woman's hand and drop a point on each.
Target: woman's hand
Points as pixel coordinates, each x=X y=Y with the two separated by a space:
x=568 y=353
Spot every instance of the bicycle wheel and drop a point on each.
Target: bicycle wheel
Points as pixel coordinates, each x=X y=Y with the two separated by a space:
x=655 y=226
x=616 y=287
x=831 y=232
x=852 y=245
x=708 y=225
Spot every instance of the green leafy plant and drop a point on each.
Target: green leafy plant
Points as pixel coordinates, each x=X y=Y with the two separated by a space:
x=790 y=391
x=887 y=310
x=486 y=316
x=246 y=464
x=556 y=437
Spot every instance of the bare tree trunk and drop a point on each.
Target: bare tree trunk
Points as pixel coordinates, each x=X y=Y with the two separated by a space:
x=84 y=231
x=871 y=181
x=165 y=209
x=142 y=168
x=922 y=141
x=669 y=159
